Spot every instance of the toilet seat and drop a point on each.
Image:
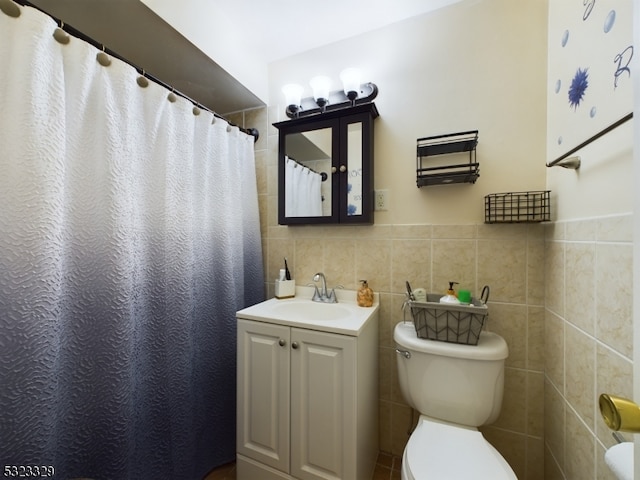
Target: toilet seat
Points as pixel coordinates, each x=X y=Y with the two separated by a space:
x=440 y=451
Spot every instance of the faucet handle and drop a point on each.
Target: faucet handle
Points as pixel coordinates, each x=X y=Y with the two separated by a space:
x=332 y=297
x=316 y=293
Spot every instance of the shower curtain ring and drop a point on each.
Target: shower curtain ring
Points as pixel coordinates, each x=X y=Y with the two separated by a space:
x=172 y=96
x=60 y=35
x=142 y=80
x=103 y=58
x=10 y=9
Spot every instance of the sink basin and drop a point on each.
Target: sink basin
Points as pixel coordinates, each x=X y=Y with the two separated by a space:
x=314 y=311
x=344 y=317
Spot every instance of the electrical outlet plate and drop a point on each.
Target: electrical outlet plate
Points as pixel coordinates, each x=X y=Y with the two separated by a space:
x=381 y=200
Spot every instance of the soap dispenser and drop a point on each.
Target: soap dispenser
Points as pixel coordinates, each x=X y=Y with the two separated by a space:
x=364 y=295
x=450 y=297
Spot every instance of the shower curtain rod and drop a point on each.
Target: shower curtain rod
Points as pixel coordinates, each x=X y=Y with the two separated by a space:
x=77 y=33
x=323 y=175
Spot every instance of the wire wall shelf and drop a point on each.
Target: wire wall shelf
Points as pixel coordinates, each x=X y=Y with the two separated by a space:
x=447 y=169
x=518 y=207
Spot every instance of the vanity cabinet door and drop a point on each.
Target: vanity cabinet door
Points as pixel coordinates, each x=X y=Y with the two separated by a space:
x=323 y=403
x=263 y=393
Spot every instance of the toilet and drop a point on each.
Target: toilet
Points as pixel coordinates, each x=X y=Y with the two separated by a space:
x=455 y=388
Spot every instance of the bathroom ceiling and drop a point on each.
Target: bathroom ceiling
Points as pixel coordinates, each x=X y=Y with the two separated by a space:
x=135 y=32
x=280 y=28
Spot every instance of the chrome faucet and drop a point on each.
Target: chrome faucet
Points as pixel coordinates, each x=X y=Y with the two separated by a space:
x=324 y=295
x=320 y=276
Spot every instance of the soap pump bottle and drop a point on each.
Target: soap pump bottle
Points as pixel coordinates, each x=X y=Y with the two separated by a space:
x=450 y=297
x=364 y=295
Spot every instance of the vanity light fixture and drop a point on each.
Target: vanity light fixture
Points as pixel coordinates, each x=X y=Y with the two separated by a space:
x=353 y=93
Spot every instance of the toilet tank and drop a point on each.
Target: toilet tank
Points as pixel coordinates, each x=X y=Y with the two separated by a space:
x=461 y=384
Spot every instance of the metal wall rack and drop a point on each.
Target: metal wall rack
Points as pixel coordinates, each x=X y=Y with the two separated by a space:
x=447 y=147
x=518 y=207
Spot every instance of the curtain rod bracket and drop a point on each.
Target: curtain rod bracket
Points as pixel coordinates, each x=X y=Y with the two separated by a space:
x=255 y=133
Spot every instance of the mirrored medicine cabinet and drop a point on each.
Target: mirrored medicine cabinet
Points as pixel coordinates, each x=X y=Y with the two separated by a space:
x=325 y=167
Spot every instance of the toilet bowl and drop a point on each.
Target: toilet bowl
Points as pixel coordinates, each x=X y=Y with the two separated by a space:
x=444 y=451
x=456 y=388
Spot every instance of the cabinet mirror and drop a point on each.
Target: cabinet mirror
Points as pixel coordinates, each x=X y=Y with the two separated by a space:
x=308 y=158
x=325 y=167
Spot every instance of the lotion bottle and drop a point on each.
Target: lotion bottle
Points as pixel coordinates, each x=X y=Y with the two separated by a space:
x=364 y=295
x=450 y=297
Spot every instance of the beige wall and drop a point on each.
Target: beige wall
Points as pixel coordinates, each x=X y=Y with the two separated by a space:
x=428 y=255
x=561 y=292
x=437 y=79
x=589 y=285
x=473 y=65
x=603 y=185
x=588 y=347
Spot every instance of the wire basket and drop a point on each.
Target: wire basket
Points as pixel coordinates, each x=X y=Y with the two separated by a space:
x=448 y=322
x=517 y=207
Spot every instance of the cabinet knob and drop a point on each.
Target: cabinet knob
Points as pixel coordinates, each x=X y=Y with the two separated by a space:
x=333 y=170
x=282 y=342
x=294 y=345
x=343 y=168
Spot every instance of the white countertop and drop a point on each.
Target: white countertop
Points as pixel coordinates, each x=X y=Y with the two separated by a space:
x=344 y=317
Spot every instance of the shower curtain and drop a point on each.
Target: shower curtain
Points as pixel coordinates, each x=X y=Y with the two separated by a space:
x=303 y=195
x=129 y=236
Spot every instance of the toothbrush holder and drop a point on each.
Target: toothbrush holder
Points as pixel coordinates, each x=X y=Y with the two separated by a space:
x=285 y=289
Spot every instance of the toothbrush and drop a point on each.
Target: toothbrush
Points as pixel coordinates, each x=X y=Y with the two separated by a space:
x=409 y=291
x=287 y=274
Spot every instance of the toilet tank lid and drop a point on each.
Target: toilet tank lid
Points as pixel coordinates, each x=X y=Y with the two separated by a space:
x=491 y=346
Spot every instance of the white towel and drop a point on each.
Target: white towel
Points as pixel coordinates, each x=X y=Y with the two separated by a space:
x=289 y=202
x=619 y=459
x=315 y=195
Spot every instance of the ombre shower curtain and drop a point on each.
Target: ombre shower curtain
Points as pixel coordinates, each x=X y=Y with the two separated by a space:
x=129 y=236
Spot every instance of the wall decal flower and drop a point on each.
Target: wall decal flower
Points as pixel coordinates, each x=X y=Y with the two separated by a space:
x=578 y=87
x=590 y=65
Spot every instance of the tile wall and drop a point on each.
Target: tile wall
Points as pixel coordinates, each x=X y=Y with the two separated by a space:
x=588 y=340
x=509 y=258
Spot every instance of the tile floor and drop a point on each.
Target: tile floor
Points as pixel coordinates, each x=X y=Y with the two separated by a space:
x=225 y=472
x=387 y=468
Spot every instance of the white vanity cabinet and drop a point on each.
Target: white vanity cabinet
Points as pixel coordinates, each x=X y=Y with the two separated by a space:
x=307 y=402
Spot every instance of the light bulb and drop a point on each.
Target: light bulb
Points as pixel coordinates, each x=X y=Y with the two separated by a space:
x=293 y=96
x=350 y=78
x=321 y=86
